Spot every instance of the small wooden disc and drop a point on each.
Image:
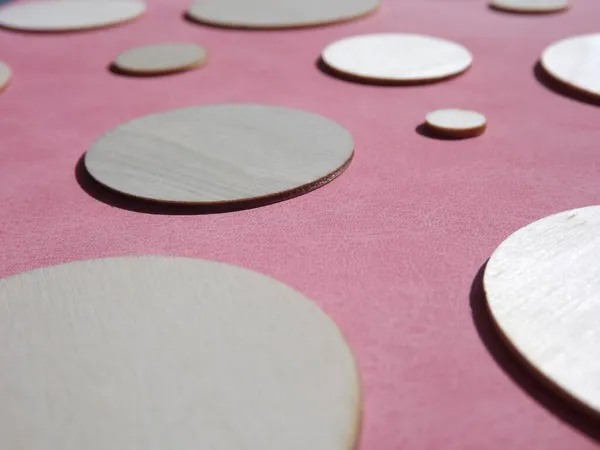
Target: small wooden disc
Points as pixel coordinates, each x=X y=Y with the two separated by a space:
x=161 y=59
x=459 y=123
x=170 y=353
x=221 y=154
x=530 y=6
x=5 y=75
x=278 y=13
x=575 y=61
x=394 y=57
x=69 y=15
x=543 y=290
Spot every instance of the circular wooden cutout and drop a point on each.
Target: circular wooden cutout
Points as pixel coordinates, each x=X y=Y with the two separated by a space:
x=403 y=58
x=543 y=291
x=278 y=13
x=69 y=15
x=152 y=352
x=575 y=61
x=233 y=153
x=161 y=59
x=5 y=75
x=459 y=123
x=530 y=6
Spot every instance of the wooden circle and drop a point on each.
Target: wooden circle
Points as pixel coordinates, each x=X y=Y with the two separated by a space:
x=5 y=75
x=530 y=6
x=233 y=153
x=161 y=59
x=543 y=290
x=396 y=57
x=459 y=123
x=575 y=61
x=152 y=352
x=278 y=13
x=69 y=15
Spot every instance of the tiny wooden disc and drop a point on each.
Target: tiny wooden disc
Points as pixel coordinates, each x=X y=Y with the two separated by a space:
x=69 y=15
x=278 y=13
x=531 y=6
x=170 y=353
x=543 y=290
x=458 y=123
x=575 y=61
x=221 y=154
x=161 y=59
x=5 y=75
x=397 y=57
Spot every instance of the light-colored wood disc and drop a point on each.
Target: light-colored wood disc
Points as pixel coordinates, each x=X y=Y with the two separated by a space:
x=278 y=13
x=397 y=57
x=575 y=61
x=543 y=290
x=460 y=123
x=161 y=59
x=530 y=6
x=5 y=75
x=153 y=352
x=69 y=15
x=221 y=154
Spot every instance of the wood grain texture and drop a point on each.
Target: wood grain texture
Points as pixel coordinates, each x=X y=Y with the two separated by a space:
x=159 y=59
x=531 y=6
x=156 y=353
x=458 y=123
x=575 y=61
x=69 y=15
x=543 y=289
x=5 y=75
x=221 y=154
x=396 y=57
x=270 y=14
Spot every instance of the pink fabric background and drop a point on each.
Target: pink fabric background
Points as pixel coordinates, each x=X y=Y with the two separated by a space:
x=390 y=249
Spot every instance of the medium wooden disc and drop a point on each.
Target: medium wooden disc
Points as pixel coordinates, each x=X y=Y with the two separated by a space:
x=575 y=61
x=543 y=290
x=231 y=153
x=394 y=57
x=161 y=59
x=5 y=75
x=530 y=6
x=278 y=13
x=459 y=123
x=69 y=15
x=154 y=352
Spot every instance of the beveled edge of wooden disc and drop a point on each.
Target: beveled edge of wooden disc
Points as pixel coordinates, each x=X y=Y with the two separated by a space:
x=531 y=11
x=231 y=25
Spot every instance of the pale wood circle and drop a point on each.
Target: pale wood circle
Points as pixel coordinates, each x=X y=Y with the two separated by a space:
x=543 y=290
x=160 y=59
x=227 y=153
x=456 y=122
x=69 y=15
x=531 y=6
x=397 y=57
x=5 y=75
x=278 y=13
x=170 y=353
x=575 y=61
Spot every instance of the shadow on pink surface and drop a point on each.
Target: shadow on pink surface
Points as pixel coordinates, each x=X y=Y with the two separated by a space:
x=584 y=420
x=562 y=89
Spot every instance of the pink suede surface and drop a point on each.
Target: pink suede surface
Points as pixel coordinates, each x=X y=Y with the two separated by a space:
x=391 y=249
